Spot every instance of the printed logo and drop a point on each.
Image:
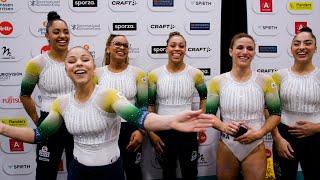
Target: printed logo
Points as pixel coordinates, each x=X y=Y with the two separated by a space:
x=306 y=6
x=162 y=3
x=44 y=5
x=270 y=71
x=44 y=154
x=15 y=166
x=7 y=6
x=267 y=49
x=16 y=146
x=123 y=5
x=158 y=49
x=265 y=5
x=266 y=30
x=10 y=102
x=206 y=71
x=6 y=28
x=199 y=49
x=133 y=51
x=85 y=3
x=89 y=29
x=124 y=26
x=299 y=25
x=200 y=5
x=6 y=54
x=38 y=29
x=161 y=28
x=199 y=26
x=202 y=137
x=15 y=121
x=10 y=78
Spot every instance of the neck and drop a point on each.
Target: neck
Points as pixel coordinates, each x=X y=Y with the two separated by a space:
x=57 y=55
x=241 y=74
x=83 y=92
x=117 y=66
x=302 y=68
x=176 y=67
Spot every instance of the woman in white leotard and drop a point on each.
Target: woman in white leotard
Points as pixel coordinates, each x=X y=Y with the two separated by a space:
x=241 y=96
x=297 y=138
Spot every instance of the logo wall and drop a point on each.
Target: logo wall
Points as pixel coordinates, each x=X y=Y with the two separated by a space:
x=198 y=48
x=162 y=28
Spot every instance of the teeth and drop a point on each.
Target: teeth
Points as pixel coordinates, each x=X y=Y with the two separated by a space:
x=80 y=72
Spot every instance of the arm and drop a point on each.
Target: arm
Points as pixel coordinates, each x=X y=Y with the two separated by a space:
x=201 y=88
x=28 y=84
x=142 y=90
x=26 y=134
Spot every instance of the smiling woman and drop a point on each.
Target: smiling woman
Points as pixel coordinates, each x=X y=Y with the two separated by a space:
x=90 y=115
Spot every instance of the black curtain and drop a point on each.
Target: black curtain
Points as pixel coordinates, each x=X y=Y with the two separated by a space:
x=233 y=21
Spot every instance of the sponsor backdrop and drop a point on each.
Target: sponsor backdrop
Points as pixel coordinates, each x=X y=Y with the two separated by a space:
x=273 y=24
x=146 y=23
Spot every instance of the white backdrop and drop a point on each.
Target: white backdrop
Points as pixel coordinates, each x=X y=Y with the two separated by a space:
x=146 y=23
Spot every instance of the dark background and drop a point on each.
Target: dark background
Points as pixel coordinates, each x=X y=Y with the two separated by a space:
x=233 y=21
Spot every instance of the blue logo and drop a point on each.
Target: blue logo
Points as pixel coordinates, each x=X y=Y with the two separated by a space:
x=268 y=49
x=163 y=3
x=199 y=26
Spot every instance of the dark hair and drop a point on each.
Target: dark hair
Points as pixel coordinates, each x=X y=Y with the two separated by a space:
x=106 y=58
x=238 y=36
x=175 y=33
x=51 y=17
x=308 y=30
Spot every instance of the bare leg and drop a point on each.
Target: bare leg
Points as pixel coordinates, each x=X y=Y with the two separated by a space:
x=228 y=166
x=255 y=164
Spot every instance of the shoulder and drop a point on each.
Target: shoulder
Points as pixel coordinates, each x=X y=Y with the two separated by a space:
x=35 y=65
x=60 y=104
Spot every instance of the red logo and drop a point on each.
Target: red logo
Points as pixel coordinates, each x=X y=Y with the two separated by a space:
x=202 y=137
x=11 y=100
x=6 y=28
x=298 y=26
x=16 y=145
x=60 y=168
x=44 y=49
x=265 y=5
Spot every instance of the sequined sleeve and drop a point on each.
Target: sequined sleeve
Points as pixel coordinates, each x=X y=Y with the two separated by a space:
x=213 y=97
x=272 y=98
x=142 y=89
x=31 y=78
x=200 y=85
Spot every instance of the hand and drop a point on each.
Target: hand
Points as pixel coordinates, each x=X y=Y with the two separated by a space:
x=248 y=137
x=191 y=121
x=303 y=129
x=156 y=142
x=231 y=128
x=136 y=140
x=283 y=147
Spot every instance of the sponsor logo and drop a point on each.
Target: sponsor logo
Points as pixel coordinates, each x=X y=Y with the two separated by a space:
x=266 y=29
x=206 y=71
x=158 y=49
x=162 y=26
x=202 y=137
x=16 y=146
x=133 y=51
x=202 y=160
x=85 y=3
x=6 y=53
x=199 y=49
x=265 y=5
x=44 y=3
x=6 y=6
x=85 y=27
x=6 y=28
x=8 y=75
x=163 y=3
x=300 y=6
x=16 y=122
x=124 y=3
x=44 y=154
x=44 y=49
x=201 y=3
x=18 y=167
x=267 y=70
x=11 y=100
x=199 y=26
x=299 y=25
x=124 y=26
x=267 y=49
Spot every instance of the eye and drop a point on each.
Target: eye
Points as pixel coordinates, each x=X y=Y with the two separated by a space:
x=250 y=48
x=240 y=47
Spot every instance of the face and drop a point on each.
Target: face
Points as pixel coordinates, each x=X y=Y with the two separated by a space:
x=303 y=47
x=58 y=36
x=80 y=66
x=118 y=49
x=242 y=52
x=176 y=49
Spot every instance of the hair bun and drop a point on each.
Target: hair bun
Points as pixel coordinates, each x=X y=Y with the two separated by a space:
x=52 y=15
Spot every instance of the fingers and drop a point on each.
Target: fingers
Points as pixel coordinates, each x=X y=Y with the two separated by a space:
x=159 y=146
